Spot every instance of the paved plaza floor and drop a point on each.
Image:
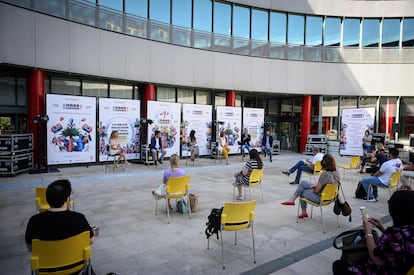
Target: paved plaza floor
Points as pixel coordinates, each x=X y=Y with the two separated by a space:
x=133 y=240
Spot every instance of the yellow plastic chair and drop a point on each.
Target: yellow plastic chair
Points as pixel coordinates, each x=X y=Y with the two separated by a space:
x=41 y=201
x=67 y=256
x=393 y=184
x=353 y=165
x=328 y=195
x=255 y=180
x=411 y=271
x=317 y=170
x=177 y=188
x=234 y=217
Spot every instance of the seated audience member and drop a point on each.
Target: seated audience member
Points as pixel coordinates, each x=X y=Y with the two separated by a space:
x=243 y=177
x=156 y=147
x=58 y=222
x=174 y=172
x=304 y=165
x=393 y=252
x=313 y=191
x=382 y=177
x=377 y=158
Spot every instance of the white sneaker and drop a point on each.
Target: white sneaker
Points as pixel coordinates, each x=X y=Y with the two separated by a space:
x=372 y=200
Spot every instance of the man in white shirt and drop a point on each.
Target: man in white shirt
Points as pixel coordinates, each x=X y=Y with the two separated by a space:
x=304 y=165
x=383 y=175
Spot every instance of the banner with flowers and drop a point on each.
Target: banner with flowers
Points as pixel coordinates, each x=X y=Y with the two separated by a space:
x=228 y=120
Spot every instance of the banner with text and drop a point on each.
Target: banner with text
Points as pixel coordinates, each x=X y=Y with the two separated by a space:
x=229 y=121
x=354 y=124
x=122 y=115
x=198 y=118
x=166 y=117
x=253 y=120
x=71 y=129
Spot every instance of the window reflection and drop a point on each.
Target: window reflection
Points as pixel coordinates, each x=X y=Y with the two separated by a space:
x=278 y=27
x=166 y=94
x=66 y=86
x=408 y=32
x=120 y=91
x=391 y=32
x=296 y=29
x=351 y=32
x=137 y=7
x=313 y=30
x=181 y=13
x=241 y=22
x=332 y=31
x=185 y=96
x=259 y=24
x=202 y=15
x=222 y=18
x=203 y=97
x=113 y=4
x=95 y=89
x=160 y=10
x=370 y=33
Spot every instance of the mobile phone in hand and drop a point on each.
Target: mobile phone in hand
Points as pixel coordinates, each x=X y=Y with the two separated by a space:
x=364 y=212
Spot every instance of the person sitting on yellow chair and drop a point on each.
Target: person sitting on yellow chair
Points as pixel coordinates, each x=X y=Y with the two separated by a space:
x=58 y=222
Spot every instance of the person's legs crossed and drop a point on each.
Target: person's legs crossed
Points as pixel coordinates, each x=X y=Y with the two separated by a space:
x=301 y=168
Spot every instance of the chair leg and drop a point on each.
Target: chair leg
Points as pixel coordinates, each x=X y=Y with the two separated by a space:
x=323 y=221
x=261 y=189
x=156 y=206
x=222 y=248
x=168 y=211
x=254 y=248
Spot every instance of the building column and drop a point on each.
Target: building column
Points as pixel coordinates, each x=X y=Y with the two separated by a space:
x=149 y=94
x=231 y=98
x=35 y=107
x=306 y=121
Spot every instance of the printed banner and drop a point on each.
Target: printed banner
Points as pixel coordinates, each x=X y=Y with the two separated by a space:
x=71 y=129
x=253 y=121
x=229 y=121
x=354 y=124
x=122 y=115
x=166 y=117
x=198 y=118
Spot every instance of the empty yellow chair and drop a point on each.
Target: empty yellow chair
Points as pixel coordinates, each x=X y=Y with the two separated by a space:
x=353 y=165
x=177 y=188
x=61 y=257
x=234 y=217
x=41 y=201
x=328 y=195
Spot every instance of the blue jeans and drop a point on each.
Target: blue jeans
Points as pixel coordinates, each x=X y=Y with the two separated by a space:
x=266 y=150
x=304 y=190
x=300 y=166
x=244 y=147
x=374 y=181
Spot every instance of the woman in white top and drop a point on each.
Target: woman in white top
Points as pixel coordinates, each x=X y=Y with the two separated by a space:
x=225 y=148
x=115 y=147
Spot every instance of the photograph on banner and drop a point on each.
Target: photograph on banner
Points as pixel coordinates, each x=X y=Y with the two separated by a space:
x=123 y=116
x=353 y=126
x=229 y=121
x=71 y=129
x=166 y=118
x=253 y=121
x=197 y=117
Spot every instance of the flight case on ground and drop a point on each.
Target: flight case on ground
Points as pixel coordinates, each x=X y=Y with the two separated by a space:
x=19 y=143
x=10 y=165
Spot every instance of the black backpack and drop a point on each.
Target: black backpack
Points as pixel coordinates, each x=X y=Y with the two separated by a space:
x=360 y=192
x=213 y=224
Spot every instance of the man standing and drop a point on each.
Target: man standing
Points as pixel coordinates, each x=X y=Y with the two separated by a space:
x=304 y=165
x=383 y=175
x=245 y=141
x=267 y=144
x=156 y=147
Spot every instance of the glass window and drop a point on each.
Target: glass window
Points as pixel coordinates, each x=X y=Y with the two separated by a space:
x=241 y=22
x=112 y=4
x=278 y=27
x=222 y=18
x=203 y=15
x=408 y=32
x=351 y=32
x=274 y=107
x=330 y=116
x=220 y=99
x=166 y=94
x=203 y=97
x=296 y=29
x=406 y=117
x=137 y=7
x=55 y=7
x=313 y=30
x=370 y=33
x=110 y=19
x=66 y=86
x=95 y=89
x=82 y=12
x=120 y=91
x=21 y=92
x=367 y=101
x=332 y=31
x=181 y=13
x=390 y=32
x=260 y=21
x=7 y=91
x=185 y=96
x=159 y=10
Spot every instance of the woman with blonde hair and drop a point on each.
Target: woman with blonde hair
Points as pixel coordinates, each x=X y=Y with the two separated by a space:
x=115 y=147
x=225 y=148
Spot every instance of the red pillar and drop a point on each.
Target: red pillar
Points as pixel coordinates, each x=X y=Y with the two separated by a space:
x=149 y=94
x=231 y=98
x=306 y=121
x=391 y=117
x=36 y=106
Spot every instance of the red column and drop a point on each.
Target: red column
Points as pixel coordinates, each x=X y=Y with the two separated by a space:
x=306 y=121
x=231 y=98
x=36 y=106
x=391 y=117
x=149 y=94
